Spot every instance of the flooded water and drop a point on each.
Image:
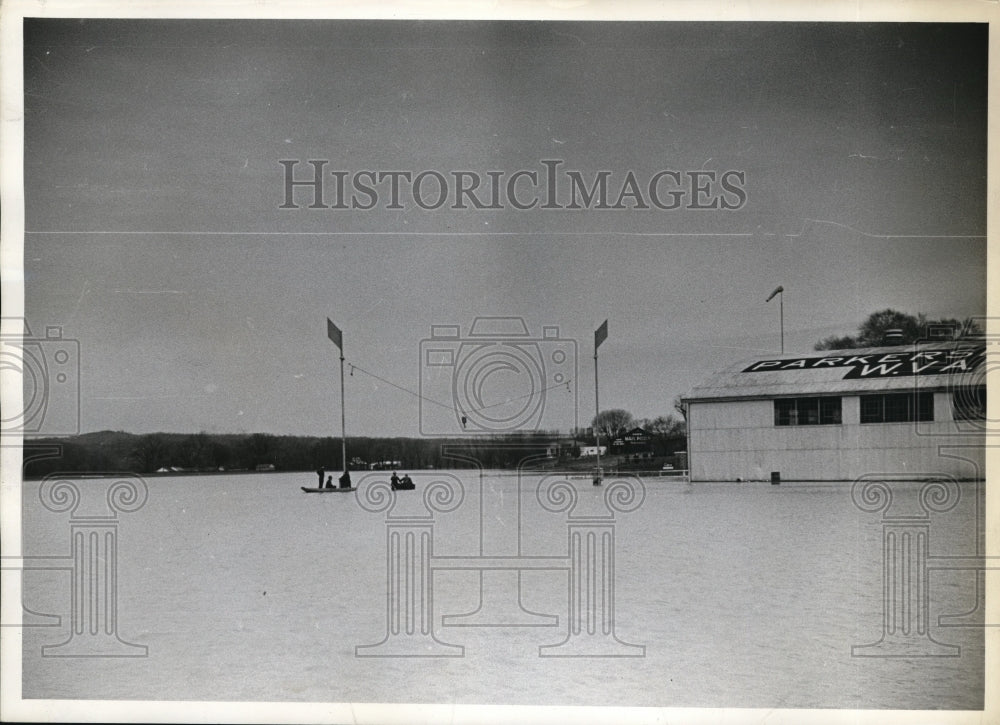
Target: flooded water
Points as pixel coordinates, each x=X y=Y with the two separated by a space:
x=242 y=587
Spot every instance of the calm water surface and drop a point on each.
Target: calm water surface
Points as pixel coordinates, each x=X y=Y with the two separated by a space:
x=743 y=595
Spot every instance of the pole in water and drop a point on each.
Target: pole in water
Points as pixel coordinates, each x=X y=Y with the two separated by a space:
x=597 y=424
x=337 y=337
x=343 y=424
x=600 y=335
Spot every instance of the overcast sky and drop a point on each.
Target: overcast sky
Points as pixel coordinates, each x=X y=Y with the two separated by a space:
x=155 y=237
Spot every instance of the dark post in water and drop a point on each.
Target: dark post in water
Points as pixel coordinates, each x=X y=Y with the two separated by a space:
x=600 y=335
x=337 y=337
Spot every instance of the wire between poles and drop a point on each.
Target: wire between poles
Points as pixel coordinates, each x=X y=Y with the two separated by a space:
x=417 y=395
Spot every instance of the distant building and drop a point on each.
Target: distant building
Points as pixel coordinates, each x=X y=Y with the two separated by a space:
x=552 y=448
x=586 y=451
x=840 y=414
x=636 y=439
x=265 y=467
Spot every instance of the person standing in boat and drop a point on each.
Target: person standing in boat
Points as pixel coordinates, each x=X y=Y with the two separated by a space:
x=320 y=472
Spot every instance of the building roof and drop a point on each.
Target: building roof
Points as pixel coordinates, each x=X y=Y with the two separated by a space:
x=923 y=367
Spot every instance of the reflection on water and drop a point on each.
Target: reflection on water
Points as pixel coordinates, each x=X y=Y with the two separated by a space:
x=743 y=595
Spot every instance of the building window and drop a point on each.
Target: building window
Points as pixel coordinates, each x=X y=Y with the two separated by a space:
x=829 y=411
x=897 y=408
x=807 y=411
x=969 y=403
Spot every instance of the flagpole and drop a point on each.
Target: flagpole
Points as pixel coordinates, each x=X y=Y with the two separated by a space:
x=337 y=338
x=781 y=313
x=597 y=426
x=343 y=416
x=600 y=335
x=780 y=291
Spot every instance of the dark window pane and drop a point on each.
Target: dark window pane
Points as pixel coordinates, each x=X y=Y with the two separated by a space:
x=897 y=408
x=871 y=408
x=782 y=411
x=829 y=411
x=925 y=407
x=808 y=411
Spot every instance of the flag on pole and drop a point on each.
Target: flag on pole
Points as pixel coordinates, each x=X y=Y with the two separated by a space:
x=334 y=333
x=600 y=335
x=777 y=289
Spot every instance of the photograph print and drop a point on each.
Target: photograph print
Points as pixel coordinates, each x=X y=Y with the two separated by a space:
x=494 y=362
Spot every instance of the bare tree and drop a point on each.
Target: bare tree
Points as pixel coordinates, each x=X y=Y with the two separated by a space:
x=613 y=423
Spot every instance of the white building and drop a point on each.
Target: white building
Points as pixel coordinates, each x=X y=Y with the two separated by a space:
x=840 y=414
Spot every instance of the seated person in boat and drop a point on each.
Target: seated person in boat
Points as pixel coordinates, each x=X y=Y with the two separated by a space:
x=345 y=480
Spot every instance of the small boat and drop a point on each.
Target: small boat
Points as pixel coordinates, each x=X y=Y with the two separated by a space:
x=328 y=490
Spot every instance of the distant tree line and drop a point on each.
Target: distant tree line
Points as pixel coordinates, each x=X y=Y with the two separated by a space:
x=118 y=451
x=110 y=451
